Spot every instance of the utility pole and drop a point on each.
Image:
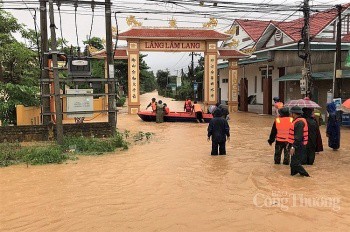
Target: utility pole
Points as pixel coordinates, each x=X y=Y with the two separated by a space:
x=306 y=82
x=54 y=52
x=110 y=68
x=337 y=79
x=45 y=88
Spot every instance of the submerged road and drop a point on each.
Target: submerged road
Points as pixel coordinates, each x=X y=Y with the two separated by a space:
x=171 y=183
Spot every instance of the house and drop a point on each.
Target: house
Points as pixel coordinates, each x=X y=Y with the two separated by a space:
x=275 y=68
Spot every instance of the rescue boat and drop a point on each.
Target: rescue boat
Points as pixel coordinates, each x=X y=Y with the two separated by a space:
x=150 y=116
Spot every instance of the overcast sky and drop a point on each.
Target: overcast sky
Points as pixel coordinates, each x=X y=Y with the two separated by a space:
x=157 y=13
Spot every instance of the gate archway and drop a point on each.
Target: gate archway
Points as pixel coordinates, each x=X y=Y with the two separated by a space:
x=181 y=40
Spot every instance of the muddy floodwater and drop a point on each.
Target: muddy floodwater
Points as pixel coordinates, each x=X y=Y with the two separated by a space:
x=171 y=183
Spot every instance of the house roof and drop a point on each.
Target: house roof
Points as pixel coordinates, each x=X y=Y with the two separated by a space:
x=318 y=22
x=230 y=53
x=119 y=53
x=316 y=75
x=173 y=33
x=254 y=28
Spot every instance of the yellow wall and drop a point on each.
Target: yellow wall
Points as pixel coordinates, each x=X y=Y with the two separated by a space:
x=31 y=115
x=28 y=115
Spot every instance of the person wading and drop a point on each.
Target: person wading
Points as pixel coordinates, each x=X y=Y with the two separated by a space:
x=280 y=132
x=313 y=145
x=160 y=112
x=218 y=131
x=278 y=104
x=333 y=127
x=298 y=138
x=198 y=111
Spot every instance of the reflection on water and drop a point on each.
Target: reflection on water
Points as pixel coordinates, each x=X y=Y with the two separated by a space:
x=173 y=184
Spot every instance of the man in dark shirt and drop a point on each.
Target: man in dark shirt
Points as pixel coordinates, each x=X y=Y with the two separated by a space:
x=218 y=130
x=297 y=139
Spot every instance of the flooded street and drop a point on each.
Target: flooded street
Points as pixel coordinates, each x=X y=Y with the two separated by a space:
x=171 y=183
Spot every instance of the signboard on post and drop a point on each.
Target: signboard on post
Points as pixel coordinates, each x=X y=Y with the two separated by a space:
x=79 y=103
x=195 y=86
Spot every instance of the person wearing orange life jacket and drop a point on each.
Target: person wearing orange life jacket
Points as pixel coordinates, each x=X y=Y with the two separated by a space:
x=188 y=105
x=278 y=104
x=198 y=111
x=280 y=132
x=153 y=104
x=166 y=109
x=298 y=138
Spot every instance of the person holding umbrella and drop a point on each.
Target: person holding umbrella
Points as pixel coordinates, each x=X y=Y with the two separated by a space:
x=298 y=138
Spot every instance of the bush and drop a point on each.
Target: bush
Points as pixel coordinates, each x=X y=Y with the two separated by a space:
x=44 y=155
x=9 y=154
x=121 y=101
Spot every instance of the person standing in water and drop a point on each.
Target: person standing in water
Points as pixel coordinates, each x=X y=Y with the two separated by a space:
x=333 y=127
x=198 y=111
x=160 y=112
x=298 y=138
x=280 y=132
x=218 y=131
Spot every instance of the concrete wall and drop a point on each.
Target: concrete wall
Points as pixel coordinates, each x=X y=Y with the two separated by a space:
x=31 y=115
x=41 y=132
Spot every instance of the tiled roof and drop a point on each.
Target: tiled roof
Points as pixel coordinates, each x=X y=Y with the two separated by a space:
x=318 y=22
x=119 y=53
x=254 y=28
x=226 y=54
x=173 y=33
x=346 y=38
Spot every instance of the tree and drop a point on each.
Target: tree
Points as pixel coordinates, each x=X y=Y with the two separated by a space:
x=19 y=68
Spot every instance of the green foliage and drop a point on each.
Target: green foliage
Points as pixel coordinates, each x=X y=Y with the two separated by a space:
x=13 y=153
x=185 y=91
x=44 y=155
x=12 y=95
x=95 y=42
x=9 y=154
x=94 y=146
x=120 y=101
x=162 y=78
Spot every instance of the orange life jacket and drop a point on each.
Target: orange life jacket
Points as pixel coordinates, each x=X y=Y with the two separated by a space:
x=188 y=105
x=167 y=110
x=197 y=108
x=282 y=126
x=154 y=106
x=279 y=105
x=305 y=133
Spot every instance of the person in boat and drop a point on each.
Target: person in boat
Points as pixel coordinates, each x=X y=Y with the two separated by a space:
x=298 y=139
x=188 y=105
x=314 y=140
x=219 y=132
x=280 y=132
x=160 y=112
x=278 y=104
x=197 y=109
x=153 y=104
x=166 y=109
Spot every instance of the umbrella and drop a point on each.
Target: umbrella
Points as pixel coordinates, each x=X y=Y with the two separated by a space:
x=303 y=103
x=346 y=106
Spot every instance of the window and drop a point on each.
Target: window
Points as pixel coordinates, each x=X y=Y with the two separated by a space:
x=345 y=25
x=225 y=80
x=263 y=76
x=237 y=30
